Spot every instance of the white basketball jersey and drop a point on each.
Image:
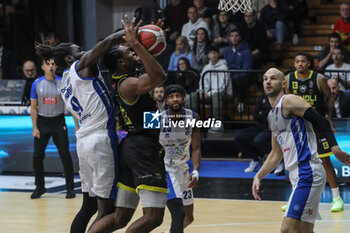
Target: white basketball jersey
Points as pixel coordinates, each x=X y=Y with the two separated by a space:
x=175 y=140
x=88 y=100
x=297 y=140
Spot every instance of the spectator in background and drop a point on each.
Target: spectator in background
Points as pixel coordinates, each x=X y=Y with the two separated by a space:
x=255 y=141
x=341 y=99
x=52 y=39
x=257 y=5
x=239 y=57
x=8 y=62
x=149 y=13
x=222 y=29
x=203 y=11
x=182 y=49
x=216 y=85
x=337 y=67
x=158 y=95
x=254 y=34
x=200 y=49
x=29 y=73
x=342 y=26
x=188 y=77
x=189 y=29
x=273 y=16
x=176 y=16
x=325 y=56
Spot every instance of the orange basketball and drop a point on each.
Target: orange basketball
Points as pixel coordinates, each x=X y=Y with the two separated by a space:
x=152 y=38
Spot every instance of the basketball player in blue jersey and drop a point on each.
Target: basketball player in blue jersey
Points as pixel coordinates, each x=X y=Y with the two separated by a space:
x=176 y=141
x=142 y=171
x=293 y=123
x=314 y=89
x=86 y=96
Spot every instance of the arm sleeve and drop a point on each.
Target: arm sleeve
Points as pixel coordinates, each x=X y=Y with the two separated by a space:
x=321 y=126
x=33 y=94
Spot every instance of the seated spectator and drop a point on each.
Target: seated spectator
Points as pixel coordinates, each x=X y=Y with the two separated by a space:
x=254 y=34
x=342 y=26
x=203 y=11
x=341 y=99
x=325 y=56
x=273 y=17
x=222 y=29
x=190 y=28
x=337 y=67
x=185 y=76
x=239 y=57
x=214 y=87
x=176 y=16
x=29 y=73
x=52 y=39
x=158 y=95
x=200 y=49
x=255 y=141
x=257 y=5
x=182 y=49
x=188 y=77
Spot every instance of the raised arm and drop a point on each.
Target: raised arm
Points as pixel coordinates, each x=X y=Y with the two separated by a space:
x=155 y=75
x=87 y=64
x=319 y=122
x=196 y=155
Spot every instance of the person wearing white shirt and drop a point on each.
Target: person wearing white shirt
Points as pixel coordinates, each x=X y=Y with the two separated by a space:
x=189 y=29
x=337 y=67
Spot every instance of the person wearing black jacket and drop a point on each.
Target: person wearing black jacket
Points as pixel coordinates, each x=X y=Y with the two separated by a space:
x=341 y=99
x=255 y=141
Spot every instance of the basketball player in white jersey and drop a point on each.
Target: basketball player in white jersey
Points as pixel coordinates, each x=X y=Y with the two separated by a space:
x=87 y=98
x=293 y=123
x=176 y=141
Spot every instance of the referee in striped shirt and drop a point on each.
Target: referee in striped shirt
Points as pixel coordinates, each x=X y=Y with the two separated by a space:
x=47 y=113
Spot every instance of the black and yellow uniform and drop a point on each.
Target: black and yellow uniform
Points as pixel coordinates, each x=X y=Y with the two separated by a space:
x=310 y=90
x=141 y=156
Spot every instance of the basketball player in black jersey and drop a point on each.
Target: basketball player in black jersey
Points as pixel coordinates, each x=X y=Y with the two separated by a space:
x=141 y=157
x=313 y=87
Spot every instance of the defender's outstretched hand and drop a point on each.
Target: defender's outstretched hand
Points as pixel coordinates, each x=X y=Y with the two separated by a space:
x=131 y=31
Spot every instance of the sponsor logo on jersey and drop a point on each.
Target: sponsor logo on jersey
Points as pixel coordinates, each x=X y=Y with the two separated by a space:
x=302 y=88
x=50 y=100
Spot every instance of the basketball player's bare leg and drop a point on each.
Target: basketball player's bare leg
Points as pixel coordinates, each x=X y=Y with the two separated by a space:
x=188 y=215
x=104 y=207
x=291 y=225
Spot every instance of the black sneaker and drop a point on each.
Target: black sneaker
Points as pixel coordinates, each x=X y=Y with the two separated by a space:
x=37 y=193
x=70 y=194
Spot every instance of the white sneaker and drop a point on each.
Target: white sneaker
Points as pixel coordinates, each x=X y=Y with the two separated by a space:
x=252 y=165
x=216 y=129
x=240 y=107
x=279 y=169
x=295 y=39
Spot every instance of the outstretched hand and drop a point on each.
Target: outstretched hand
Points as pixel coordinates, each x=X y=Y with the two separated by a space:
x=342 y=156
x=131 y=30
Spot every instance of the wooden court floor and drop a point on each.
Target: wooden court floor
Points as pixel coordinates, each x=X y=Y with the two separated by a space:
x=53 y=214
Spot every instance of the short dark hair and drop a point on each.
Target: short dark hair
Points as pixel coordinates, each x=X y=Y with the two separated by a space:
x=340 y=48
x=111 y=58
x=335 y=35
x=174 y=88
x=214 y=47
x=236 y=30
x=308 y=57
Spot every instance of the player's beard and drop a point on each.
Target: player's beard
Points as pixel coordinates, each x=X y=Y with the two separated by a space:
x=176 y=110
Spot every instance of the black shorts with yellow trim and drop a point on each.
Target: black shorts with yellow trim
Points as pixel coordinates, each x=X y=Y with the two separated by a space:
x=323 y=148
x=141 y=164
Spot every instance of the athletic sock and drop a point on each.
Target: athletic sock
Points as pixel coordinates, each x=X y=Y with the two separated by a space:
x=335 y=192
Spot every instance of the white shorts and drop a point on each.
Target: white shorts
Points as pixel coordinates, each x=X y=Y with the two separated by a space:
x=304 y=201
x=97 y=155
x=177 y=181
